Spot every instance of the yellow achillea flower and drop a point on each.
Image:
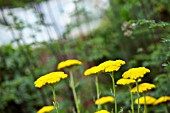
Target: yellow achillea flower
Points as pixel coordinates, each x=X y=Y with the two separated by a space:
x=149 y=100
x=92 y=70
x=135 y=73
x=50 y=78
x=102 y=111
x=162 y=99
x=110 y=66
x=104 y=100
x=46 y=109
x=68 y=63
x=124 y=81
x=107 y=66
x=143 y=87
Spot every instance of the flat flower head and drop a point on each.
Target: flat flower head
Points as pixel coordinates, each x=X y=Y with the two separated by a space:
x=46 y=109
x=104 y=100
x=50 y=78
x=111 y=66
x=149 y=100
x=124 y=81
x=135 y=73
x=102 y=111
x=106 y=64
x=68 y=63
x=161 y=100
x=143 y=87
x=92 y=71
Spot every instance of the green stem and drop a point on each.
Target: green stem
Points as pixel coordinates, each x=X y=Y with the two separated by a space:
x=138 y=96
x=54 y=97
x=165 y=108
x=145 y=106
x=72 y=85
x=131 y=96
x=114 y=90
x=97 y=91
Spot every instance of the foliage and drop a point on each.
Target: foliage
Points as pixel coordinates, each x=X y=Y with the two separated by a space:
x=17 y=3
x=135 y=31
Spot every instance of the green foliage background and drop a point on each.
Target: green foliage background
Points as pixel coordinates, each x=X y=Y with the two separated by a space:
x=147 y=43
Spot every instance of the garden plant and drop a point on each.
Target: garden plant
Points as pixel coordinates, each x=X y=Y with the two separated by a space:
x=84 y=56
x=133 y=75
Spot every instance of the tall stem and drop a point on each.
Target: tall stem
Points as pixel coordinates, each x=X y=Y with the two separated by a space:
x=97 y=91
x=145 y=107
x=114 y=90
x=72 y=85
x=54 y=96
x=138 y=96
x=165 y=108
x=131 y=96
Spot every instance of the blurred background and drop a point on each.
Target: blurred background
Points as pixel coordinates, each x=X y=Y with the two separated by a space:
x=35 y=35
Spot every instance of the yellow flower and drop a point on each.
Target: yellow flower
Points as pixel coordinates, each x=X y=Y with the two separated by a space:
x=104 y=100
x=68 y=63
x=143 y=87
x=107 y=66
x=110 y=66
x=102 y=111
x=135 y=73
x=50 y=78
x=162 y=99
x=45 y=109
x=92 y=70
x=149 y=100
x=124 y=81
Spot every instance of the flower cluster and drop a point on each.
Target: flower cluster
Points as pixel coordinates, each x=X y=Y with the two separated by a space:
x=102 y=111
x=131 y=76
x=110 y=66
x=135 y=73
x=143 y=87
x=46 y=109
x=149 y=100
x=104 y=100
x=92 y=70
x=124 y=81
x=68 y=63
x=50 y=78
x=162 y=99
x=107 y=66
